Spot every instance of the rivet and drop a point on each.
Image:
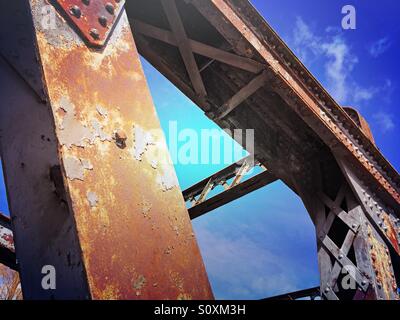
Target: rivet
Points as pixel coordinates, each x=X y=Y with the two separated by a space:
x=340 y=256
x=95 y=33
x=110 y=8
x=364 y=282
x=76 y=11
x=86 y=2
x=103 y=21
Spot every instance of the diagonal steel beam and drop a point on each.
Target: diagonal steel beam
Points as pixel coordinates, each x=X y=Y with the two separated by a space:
x=198 y=47
x=247 y=91
x=184 y=46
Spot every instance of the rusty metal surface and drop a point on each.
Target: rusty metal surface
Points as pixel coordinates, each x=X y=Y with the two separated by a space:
x=382 y=265
x=360 y=121
x=134 y=230
x=295 y=84
x=93 y=18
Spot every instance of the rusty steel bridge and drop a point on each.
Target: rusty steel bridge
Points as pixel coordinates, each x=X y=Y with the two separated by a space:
x=75 y=118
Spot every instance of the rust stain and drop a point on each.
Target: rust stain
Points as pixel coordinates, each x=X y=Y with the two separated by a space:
x=381 y=263
x=311 y=105
x=93 y=18
x=391 y=232
x=94 y=93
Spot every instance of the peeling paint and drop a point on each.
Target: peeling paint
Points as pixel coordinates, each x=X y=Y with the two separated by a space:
x=139 y=284
x=381 y=263
x=102 y=111
x=154 y=164
x=75 y=168
x=167 y=180
x=72 y=131
x=89 y=100
x=99 y=132
x=87 y=164
x=142 y=141
x=93 y=199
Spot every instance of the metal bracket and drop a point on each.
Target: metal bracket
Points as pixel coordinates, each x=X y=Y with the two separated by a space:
x=93 y=19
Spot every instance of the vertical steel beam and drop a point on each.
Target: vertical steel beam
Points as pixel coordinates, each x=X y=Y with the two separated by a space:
x=355 y=261
x=91 y=187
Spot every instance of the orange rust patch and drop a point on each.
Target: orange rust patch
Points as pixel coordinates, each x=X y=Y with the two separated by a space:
x=119 y=246
x=381 y=263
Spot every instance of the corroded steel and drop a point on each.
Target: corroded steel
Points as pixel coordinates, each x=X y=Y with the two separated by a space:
x=135 y=233
x=104 y=203
x=360 y=121
x=301 y=90
x=93 y=18
x=301 y=133
x=104 y=185
x=382 y=267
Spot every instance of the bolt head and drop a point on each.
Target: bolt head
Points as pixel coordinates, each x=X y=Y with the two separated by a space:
x=76 y=11
x=95 y=34
x=110 y=8
x=103 y=21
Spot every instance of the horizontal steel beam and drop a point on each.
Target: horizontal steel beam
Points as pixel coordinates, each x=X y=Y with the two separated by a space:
x=199 y=48
x=233 y=191
x=312 y=293
x=257 y=182
x=222 y=175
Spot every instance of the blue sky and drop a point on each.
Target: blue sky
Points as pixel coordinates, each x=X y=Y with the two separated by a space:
x=264 y=243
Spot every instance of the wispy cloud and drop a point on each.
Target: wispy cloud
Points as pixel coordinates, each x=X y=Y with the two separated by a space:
x=339 y=62
x=239 y=267
x=385 y=121
x=379 y=47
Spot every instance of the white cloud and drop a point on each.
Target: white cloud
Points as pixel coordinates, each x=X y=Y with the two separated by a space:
x=379 y=47
x=384 y=121
x=244 y=269
x=339 y=62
